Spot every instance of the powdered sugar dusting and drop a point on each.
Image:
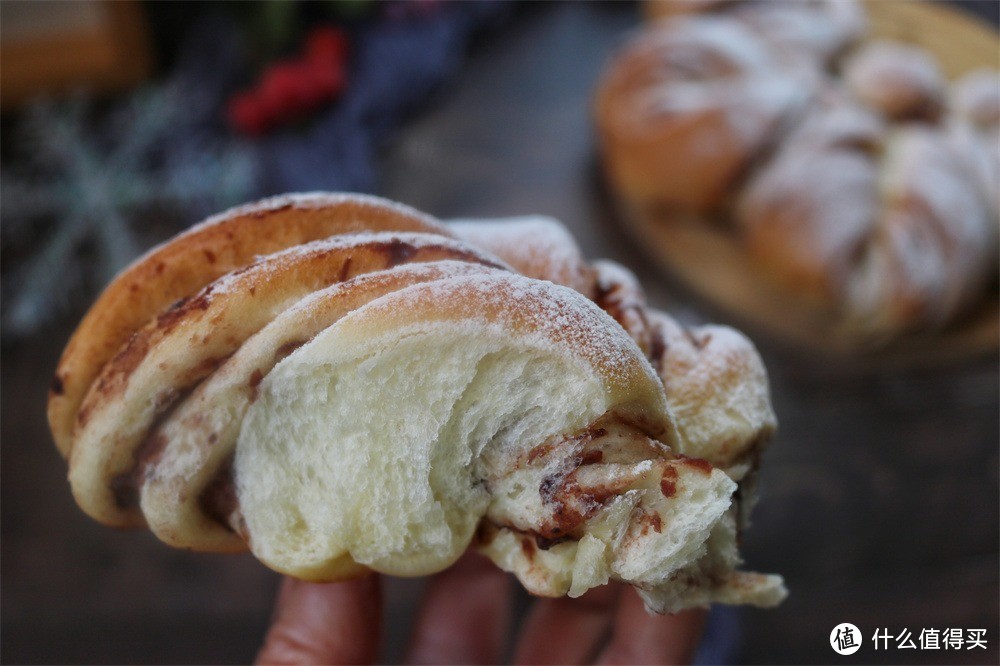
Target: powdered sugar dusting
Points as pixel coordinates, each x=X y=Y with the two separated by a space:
x=822 y=207
x=835 y=121
x=976 y=98
x=549 y=238
x=897 y=79
x=814 y=30
x=711 y=37
x=612 y=275
x=687 y=65
x=312 y=200
x=342 y=241
x=565 y=322
x=537 y=246
x=691 y=71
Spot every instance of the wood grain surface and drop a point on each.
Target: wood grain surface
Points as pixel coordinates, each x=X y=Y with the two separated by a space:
x=960 y=42
x=880 y=492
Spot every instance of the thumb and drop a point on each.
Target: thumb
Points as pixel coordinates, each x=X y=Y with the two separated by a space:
x=324 y=623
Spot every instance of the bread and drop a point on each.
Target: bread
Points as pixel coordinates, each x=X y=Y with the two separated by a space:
x=203 y=253
x=188 y=341
x=810 y=30
x=461 y=370
x=902 y=82
x=384 y=400
x=718 y=392
x=885 y=227
x=863 y=195
x=975 y=126
x=173 y=488
x=685 y=106
x=535 y=246
x=976 y=99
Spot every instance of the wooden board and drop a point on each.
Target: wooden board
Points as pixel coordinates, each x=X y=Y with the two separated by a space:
x=711 y=261
x=959 y=42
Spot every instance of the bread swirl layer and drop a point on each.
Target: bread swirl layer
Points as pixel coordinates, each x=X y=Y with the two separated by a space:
x=199 y=437
x=188 y=342
x=185 y=264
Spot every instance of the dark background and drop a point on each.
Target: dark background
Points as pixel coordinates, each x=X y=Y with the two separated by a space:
x=880 y=493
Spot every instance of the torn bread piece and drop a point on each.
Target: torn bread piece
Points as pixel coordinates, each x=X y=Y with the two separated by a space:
x=385 y=400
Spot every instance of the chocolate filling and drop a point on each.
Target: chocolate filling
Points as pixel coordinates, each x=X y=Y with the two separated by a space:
x=125 y=486
x=219 y=500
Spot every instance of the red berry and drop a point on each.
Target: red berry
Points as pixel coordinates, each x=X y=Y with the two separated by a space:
x=290 y=89
x=328 y=79
x=247 y=115
x=311 y=93
x=284 y=90
x=326 y=43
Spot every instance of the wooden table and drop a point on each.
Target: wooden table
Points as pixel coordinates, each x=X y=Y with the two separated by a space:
x=880 y=493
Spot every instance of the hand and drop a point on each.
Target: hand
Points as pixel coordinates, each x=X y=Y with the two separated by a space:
x=464 y=617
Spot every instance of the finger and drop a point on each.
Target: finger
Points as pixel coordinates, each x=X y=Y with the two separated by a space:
x=324 y=623
x=464 y=616
x=643 y=638
x=568 y=631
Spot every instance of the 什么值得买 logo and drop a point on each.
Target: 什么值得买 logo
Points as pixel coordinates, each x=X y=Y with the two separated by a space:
x=845 y=638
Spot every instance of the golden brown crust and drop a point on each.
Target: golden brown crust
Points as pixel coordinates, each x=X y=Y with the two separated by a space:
x=185 y=264
x=685 y=107
x=619 y=293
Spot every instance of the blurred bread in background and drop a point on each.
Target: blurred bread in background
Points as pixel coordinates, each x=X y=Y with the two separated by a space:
x=815 y=29
x=851 y=173
x=686 y=107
